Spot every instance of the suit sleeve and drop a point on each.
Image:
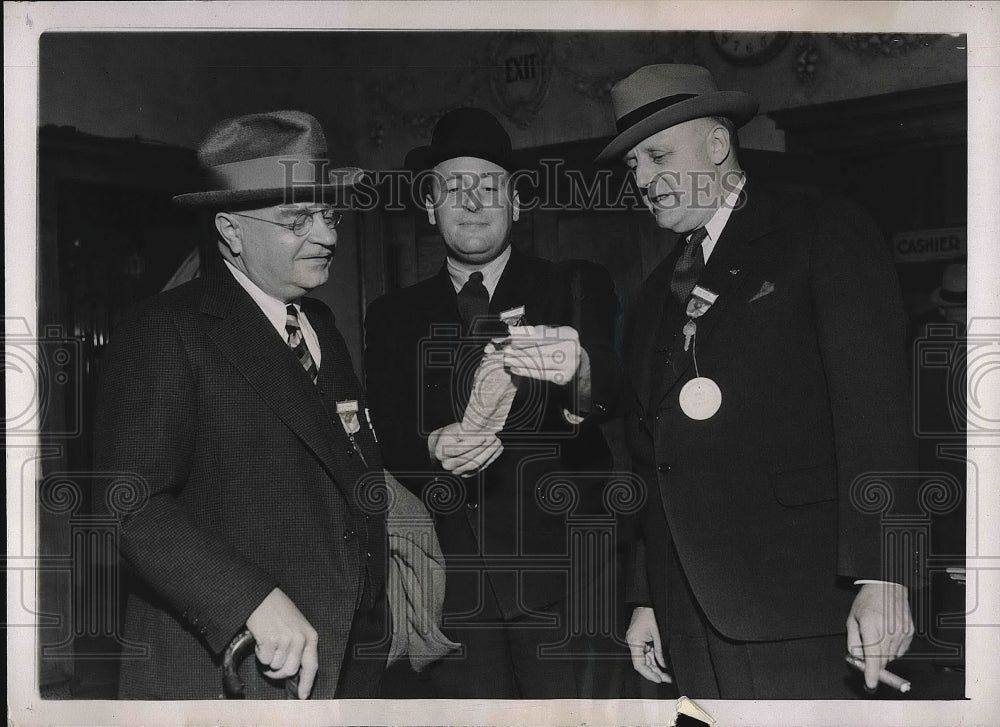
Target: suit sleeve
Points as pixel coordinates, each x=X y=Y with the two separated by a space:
x=861 y=329
x=593 y=314
x=146 y=428
x=636 y=580
x=394 y=395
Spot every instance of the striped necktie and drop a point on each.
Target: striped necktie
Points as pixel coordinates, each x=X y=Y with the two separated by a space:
x=689 y=266
x=298 y=344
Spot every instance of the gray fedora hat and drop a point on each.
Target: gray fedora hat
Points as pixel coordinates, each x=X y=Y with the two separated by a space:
x=273 y=157
x=657 y=97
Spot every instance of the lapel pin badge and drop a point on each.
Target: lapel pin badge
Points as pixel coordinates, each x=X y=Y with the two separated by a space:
x=513 y=316
x=348 y=411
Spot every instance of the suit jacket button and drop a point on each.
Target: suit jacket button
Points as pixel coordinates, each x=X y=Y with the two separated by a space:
x=641 y=420
x=348 y=534
x=368 y=554
x=601 y=409
x=663 y=467
x=472 y=505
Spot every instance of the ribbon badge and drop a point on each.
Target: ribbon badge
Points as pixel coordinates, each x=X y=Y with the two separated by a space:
x=348 y=411
x=700 y=398
x=699 y=303
x=701 y=300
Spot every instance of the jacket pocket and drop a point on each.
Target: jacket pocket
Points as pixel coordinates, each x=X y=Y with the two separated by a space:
x=804 y=486
x=775 y=299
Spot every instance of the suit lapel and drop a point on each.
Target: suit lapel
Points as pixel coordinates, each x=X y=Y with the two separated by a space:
x=650 y=335
x=725 y=271
x=516 y=286
x=245 y=336
x=442 y=294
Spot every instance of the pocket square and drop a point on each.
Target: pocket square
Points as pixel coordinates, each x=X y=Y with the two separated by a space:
x=766 y=288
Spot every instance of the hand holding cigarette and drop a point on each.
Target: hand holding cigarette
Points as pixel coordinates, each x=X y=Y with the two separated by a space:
x=879 y=627
x=884 y=676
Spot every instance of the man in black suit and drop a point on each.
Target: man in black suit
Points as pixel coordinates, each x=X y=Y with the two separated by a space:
x=232 y=403
x=503 y=498
x=768 y=402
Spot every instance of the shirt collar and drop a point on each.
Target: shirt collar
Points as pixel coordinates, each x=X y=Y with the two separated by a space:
x=459 y=272
x=717 y=224
x=273 y=308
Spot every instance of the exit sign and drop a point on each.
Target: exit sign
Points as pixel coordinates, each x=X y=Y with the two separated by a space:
x=520 y=75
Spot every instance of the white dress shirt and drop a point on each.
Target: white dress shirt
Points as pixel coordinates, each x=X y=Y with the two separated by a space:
x=459 y=272
x=717 y=224
x=274 y=310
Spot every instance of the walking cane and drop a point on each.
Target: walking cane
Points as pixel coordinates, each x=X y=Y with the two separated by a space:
x=233 y=685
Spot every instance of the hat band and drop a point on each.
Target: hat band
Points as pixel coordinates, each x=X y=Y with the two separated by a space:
x=636 y=115
x=952 y=297
x=276 y=172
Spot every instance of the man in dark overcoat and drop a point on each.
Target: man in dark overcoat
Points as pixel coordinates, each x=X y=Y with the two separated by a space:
x=504 y=493
x=231 y=403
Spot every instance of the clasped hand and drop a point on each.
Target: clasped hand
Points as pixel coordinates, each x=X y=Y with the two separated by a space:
x=463 y=452
x=546 y=353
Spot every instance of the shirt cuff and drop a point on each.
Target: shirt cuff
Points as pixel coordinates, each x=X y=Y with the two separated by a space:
x=863 y=582
x=572 y=418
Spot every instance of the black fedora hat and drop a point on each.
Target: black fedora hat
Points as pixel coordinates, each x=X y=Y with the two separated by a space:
x=463 y=132
x=952 y=292
x=657 y=97
x=278 y=156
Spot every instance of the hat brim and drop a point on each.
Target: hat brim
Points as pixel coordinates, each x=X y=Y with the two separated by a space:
x=736 y=105
x=348 y=177
x=944 y=302
x=424 y=158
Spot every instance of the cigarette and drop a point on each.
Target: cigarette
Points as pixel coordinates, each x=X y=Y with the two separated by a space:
x=884 y=676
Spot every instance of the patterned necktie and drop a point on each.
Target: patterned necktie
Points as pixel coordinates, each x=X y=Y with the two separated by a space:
x=689 y=266
x=473 y=300
x=298 y=344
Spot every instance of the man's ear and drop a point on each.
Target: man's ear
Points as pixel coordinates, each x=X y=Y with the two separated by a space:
x=230 y=233
x=429 y=206
x=516 y=202
x=719 y=144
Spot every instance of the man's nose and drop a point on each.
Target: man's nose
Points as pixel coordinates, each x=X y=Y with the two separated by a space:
x=471 y=201
x=643 y=175
x=321 y=233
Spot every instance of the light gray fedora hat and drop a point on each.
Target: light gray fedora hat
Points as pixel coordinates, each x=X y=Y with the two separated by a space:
x=272 y=157
x=657 y=97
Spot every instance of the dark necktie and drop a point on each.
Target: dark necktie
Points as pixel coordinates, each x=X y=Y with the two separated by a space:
x=689 y=266
x=473 y=300
x=298 y=344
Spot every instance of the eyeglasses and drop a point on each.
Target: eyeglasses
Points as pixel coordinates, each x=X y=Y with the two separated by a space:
x=303 y=221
